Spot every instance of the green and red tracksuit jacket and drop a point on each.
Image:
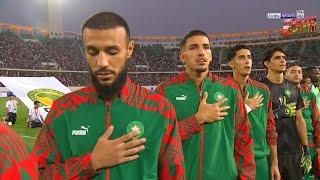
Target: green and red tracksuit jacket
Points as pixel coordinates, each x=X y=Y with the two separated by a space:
x=15 y=161
x=312 y=118
x=220 y=150
x=78 y=119
x=261 y=119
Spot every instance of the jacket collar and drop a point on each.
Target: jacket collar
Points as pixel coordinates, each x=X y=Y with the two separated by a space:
x=124 y=94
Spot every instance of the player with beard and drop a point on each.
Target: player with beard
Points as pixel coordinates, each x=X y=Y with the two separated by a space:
x=212 y=119
x=257 y=100
x=314 y=74
x=293 y=155
x=112 y=129
x=310 y=112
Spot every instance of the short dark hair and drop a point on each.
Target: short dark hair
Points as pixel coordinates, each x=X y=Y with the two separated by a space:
x=36 y=102
x=106 y=20
x=9 y=93
x=195 y=32
x=233 y=51
x=269 y=53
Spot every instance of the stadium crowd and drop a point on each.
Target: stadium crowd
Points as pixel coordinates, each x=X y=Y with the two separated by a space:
x=19 y=52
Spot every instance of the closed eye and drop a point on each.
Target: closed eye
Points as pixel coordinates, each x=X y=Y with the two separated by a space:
x=92 y=51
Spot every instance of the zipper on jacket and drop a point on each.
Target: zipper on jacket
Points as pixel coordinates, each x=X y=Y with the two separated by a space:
x=108 y=123
x=200 y=91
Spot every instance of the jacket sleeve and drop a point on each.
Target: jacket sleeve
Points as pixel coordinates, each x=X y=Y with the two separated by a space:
x=188 y=127
x=51 y=166
x=243 y=148
x=15 y=161
x=171 y=159
x=271 y=125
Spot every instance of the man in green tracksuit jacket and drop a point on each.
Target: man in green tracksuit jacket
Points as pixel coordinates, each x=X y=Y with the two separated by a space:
x=259 y=106
x=310 y=112
x=212 y=149
x=112 y=129
x=314 y=74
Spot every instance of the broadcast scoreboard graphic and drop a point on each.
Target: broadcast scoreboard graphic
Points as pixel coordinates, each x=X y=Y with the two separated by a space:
x=295 y=23
x=299 y=26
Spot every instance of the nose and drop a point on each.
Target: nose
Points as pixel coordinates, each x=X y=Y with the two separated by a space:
x=103 y=59
x=282 y=59
x=201 y=51
x=247 y=60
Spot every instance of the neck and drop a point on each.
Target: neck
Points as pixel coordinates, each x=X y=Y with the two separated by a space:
x=276 y=78
x=109 y=98
x=198 y=77
x=241 y=80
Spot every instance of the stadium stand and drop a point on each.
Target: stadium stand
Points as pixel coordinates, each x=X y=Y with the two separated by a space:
x=25 y=54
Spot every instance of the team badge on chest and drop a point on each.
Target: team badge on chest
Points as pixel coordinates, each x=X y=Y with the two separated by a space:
x=136 y=126
x=287 y=92
x=218 y=96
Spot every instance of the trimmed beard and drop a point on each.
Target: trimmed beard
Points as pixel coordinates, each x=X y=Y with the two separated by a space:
x=201 y=70
x=108 y=91
x=245 y=74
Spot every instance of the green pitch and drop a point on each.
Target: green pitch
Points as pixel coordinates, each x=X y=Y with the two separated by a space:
x=28 y=134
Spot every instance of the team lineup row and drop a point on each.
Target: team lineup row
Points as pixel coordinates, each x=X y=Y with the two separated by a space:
x=196 y=125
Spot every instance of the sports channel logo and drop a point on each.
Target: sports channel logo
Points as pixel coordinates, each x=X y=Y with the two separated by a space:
x=299 y=14
x=274 y=15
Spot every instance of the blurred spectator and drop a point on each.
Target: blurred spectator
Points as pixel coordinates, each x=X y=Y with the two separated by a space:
x=35 y=118
x=160 y=62
x=12 y=107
